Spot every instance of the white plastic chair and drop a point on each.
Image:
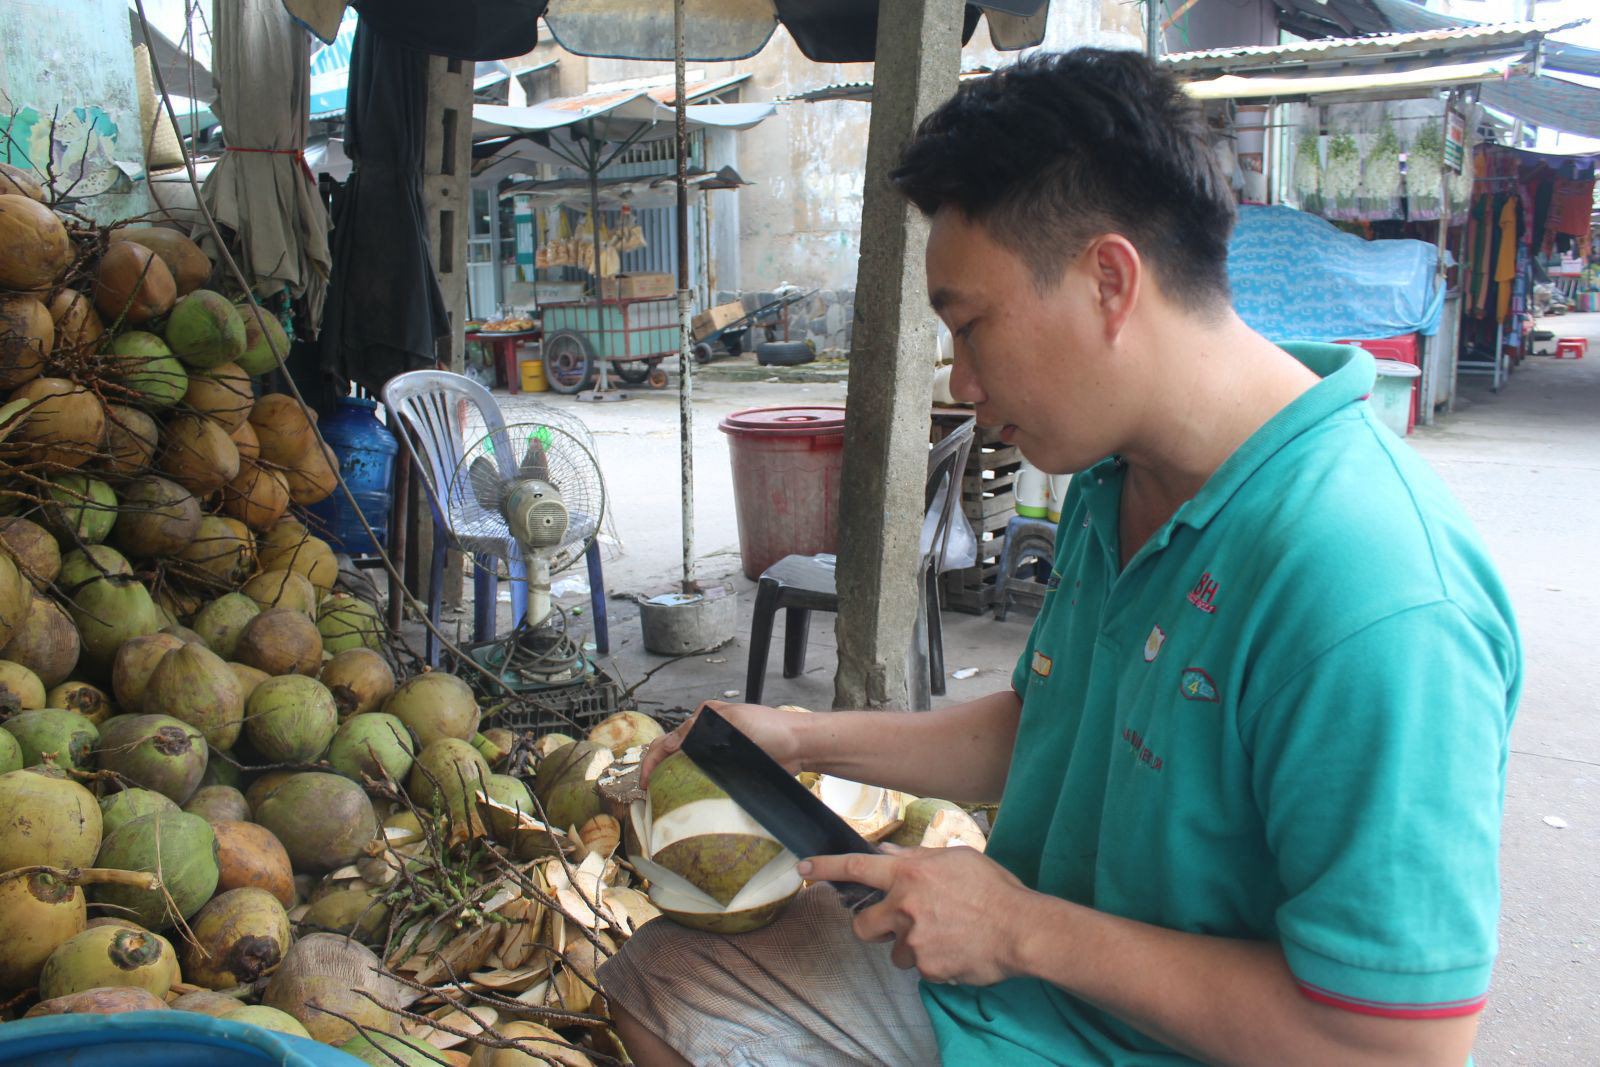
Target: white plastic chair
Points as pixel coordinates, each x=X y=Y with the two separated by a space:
x=427 y=403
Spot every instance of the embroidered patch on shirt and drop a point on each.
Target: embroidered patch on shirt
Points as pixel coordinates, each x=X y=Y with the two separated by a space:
x=1200 y=596
x=1153 y=643
x=1196 y=684
x=1041 y=664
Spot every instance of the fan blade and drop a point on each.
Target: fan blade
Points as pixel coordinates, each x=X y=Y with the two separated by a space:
x=535 y=464
x=484 y=477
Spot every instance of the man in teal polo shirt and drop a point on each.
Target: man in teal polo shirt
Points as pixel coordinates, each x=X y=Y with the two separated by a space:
x=1252 y=761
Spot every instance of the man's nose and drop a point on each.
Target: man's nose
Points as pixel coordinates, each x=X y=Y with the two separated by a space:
x=964 y=382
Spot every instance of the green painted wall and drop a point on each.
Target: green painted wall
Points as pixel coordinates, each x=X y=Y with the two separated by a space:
x=71 y=59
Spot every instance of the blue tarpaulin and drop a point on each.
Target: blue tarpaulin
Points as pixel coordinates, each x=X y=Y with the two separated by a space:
x=1296 y=277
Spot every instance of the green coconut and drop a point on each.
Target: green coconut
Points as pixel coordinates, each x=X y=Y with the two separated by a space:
x=323 y=820
x=268 y=1019
x=625 y=730
x=291 y=719
x=20 y=688
x=136 y=663
x=46 y=820
x=47 y=644
x=120 y=808
x=80 y=508
x=104 y=957
x=565 y=781
x=176 y=847
x=378 y=1049
x=155 y=751
x=156 y=518
x=264 y=340
x=376 y=746
x=10 y=753
x=510 y=792
x=495 y=744
x=195 y=685
x=205 y=330
x=224 y=549
x=87 y=700
x=447 y=772
x=113 y=1000
x=435 y=706
x=710 y=865
x=220 y=622
x=109 y=612
x=221 y=771
x=239 y=936
x=346 y=622
x=354 y=910
x=915 y=818
x=219 y=803
x=81 y=566
x=38 y=912
x=264 y=786
x=147 y=367
x=66 y=737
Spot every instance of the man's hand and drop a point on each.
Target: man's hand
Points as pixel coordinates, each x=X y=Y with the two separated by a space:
x=945 y=908
x=775 y=731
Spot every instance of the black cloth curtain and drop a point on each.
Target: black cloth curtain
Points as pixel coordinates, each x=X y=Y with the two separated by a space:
x=384 y=309
x=461 y=29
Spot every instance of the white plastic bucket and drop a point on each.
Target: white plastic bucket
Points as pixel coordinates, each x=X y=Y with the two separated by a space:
x=1391 y=393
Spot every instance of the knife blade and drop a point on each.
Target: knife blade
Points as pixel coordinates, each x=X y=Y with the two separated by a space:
x=786 y=809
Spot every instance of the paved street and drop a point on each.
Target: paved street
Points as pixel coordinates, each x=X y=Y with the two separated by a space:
x=1526 y=465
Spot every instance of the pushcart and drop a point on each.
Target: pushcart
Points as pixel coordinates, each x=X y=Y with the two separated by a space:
x=737 y=335
x=633 y=334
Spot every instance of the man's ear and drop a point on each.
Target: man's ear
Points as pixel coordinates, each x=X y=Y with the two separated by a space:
x=1119 y=278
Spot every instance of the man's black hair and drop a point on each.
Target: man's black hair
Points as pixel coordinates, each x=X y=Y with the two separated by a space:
x=1060 y=147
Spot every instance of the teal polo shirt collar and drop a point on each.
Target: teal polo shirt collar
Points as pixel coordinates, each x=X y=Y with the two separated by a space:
x=1348 y=374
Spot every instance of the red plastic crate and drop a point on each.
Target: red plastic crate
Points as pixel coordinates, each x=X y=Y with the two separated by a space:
x=1405 y=348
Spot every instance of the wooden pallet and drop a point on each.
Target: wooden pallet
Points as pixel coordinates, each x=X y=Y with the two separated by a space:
x=988 y=499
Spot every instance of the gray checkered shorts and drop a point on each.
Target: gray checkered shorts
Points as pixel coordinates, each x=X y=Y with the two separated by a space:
x=803 y=991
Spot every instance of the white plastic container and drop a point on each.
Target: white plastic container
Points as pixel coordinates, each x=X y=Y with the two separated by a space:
x=1032 y=492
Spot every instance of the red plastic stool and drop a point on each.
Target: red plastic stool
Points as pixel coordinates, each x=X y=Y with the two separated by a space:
x=1571 y=346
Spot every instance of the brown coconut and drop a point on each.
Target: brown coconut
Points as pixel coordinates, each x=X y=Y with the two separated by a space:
x=27 y=335
x=315 y=477
x=359 y=679
x=47 y=643
x=155 y=518
x=239 y=936
x=38 y=912
x=16 y=597
x=195 y=685
x=206 y=1002
x=290 y=546
x=78 y=326
x=64 y=425
x=282 y=589
x=135 y=662
x=258 y=497
x=131 y=440
x=223 y=549
x=249 y=855
x=244 y=439
x=33 y=548
x=332 y=972
x=198 y=455
x=222 y=394
x=132 y=285
x=21 y=182
x=190 y=267
x=34 y=247
x=87 y=700
x=112 y=1000
x=218 y=803
x=281 y=641
x=283 y=429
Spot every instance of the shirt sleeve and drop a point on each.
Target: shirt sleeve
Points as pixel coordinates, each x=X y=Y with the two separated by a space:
x=1379 y=768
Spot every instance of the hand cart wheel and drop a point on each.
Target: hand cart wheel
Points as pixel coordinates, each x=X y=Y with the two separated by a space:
x=637 y=372
x=568 y=362
x=702 y=353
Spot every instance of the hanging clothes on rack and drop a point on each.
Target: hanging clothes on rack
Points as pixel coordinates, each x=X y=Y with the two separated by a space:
x=1505 y=263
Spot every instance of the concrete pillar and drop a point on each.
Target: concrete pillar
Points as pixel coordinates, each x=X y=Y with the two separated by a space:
x=447 y=204
x=891 y=369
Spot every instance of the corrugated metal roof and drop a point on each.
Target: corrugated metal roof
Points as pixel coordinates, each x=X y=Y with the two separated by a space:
x=859 y=90
x=1381 y=46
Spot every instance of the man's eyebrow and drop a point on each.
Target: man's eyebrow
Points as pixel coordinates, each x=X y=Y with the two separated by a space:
x=943 y=297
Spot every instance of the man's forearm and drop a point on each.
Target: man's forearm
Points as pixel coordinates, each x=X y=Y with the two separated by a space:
x=1221 y=1000
x=958 y=753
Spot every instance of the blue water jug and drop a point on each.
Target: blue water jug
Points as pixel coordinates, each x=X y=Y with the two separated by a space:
x=366 y=451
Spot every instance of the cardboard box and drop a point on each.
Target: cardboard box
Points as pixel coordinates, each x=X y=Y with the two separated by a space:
x=637 y=286
x=713 y=319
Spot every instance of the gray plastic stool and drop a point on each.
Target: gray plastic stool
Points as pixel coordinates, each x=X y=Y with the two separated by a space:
x=1027 y=540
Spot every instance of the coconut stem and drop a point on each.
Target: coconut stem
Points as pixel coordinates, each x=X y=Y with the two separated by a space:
x=89 y=875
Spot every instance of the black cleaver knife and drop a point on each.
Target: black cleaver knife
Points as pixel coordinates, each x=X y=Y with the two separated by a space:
x=786 y=809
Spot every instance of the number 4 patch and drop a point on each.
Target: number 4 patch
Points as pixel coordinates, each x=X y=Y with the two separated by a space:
x=1196 y=684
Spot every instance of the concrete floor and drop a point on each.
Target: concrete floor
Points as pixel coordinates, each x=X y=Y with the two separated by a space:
x=1526 y=465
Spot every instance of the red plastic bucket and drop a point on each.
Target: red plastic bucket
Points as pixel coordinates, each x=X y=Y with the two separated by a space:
x=786 y=464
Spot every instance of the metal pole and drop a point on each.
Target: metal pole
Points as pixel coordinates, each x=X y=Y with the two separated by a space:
x=685 y=357
x=603 y=382
x=1152 y=28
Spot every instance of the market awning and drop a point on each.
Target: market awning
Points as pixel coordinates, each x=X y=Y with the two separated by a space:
x=1424 y=79
x=652 y=191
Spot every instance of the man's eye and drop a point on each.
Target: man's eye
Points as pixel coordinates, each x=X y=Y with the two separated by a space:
x=965 y=332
